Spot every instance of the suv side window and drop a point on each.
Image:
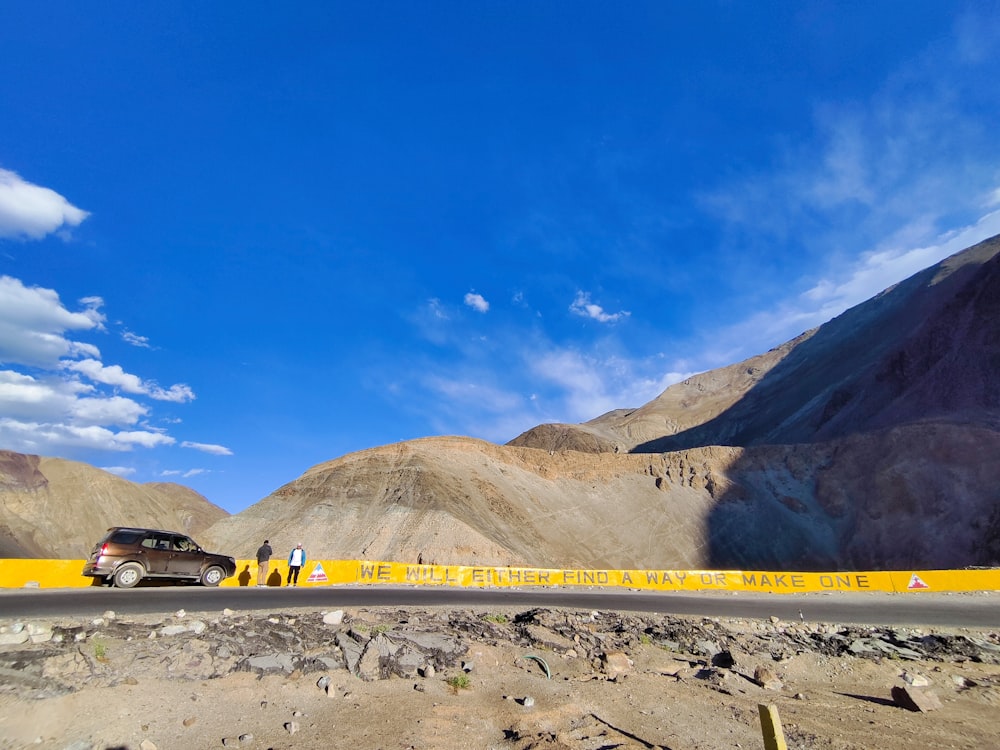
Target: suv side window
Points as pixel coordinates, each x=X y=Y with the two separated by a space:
x=183 y=544
x=126 y=536
x=157 y=541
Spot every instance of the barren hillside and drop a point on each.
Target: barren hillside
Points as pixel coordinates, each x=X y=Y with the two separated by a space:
x=50 y=507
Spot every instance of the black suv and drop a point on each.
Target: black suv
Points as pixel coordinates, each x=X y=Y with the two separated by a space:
x=125 y=556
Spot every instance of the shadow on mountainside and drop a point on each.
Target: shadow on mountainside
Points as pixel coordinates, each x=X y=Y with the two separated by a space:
x=872 y=444
x=921 y=496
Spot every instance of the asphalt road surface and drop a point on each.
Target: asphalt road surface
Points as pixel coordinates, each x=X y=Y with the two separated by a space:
x=976 y=610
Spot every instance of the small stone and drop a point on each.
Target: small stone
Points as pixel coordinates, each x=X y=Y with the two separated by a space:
x=915 y=699
x=230 y=742
x=615 y=664
x=418 y=687
x=263 y=704
x=109 y=614
x=427 y=670
x=916 y=680
x=130 y=681
x=527 y=701
x=291 y=727
x=468 y=666
x=246 y=739
x=227 y=612
x=323 y=682
x=39 y=633
x=147 y=745
x=333 y=618
x=180 y=613
x=767 y=679
x=189 y=721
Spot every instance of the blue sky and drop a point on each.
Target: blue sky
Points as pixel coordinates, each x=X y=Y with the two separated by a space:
x=239 y=240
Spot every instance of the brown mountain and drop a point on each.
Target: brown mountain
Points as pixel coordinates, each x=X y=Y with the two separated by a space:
x=50 y=507
x=868 y=442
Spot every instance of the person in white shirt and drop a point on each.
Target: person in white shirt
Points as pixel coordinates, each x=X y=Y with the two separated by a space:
x=296 y=560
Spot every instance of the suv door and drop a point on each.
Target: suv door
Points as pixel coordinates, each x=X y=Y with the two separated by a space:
x=186 y=558
x=157 y=551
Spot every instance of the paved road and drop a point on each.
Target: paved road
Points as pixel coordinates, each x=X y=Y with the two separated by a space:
x=981 y=610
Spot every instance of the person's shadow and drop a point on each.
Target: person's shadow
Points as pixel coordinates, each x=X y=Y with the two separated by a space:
x=274 y=579
x=244 y=576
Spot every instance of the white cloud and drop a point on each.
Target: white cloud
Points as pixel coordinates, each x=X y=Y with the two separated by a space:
x=115 y=376
x=477 y=302
x=55 y=399
x=50 y=439
x=216 y=450
x=33 y=324
x=583 y=307
x=55 y=393
x=29 y=211
x=121 y=471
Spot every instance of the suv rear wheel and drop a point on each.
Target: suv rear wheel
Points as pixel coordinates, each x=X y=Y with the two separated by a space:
x=128 y=575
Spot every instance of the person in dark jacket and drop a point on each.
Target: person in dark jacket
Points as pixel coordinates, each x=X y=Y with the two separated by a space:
x=264 y=553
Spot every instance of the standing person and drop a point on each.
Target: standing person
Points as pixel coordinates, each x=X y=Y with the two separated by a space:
x=264 y=553
x=295 y=562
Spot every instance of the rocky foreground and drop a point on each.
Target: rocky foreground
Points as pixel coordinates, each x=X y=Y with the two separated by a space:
x=517 y=679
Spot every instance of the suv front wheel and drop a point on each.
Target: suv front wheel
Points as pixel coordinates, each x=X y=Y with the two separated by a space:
x=128 y=575
x=212 y=576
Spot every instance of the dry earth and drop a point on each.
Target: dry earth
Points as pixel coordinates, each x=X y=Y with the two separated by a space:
x=301 y=679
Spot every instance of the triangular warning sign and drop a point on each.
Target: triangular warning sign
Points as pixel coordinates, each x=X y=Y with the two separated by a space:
x=318 y=575
x=916 y=583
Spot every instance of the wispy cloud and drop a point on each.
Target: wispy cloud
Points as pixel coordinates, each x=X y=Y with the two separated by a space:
x=477 y=302
x=136 y=340
x=121 y=471
x=589 y=386
x=583 y=307
x=29 y=211
x=882 y=189
x=184 y=473
x=215 y=450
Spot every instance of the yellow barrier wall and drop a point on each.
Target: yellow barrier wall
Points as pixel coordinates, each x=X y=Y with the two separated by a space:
x=66 y=574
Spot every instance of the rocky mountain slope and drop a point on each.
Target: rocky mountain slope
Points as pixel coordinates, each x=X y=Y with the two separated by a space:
x=50 y=507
